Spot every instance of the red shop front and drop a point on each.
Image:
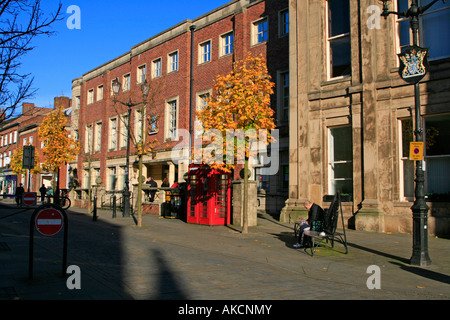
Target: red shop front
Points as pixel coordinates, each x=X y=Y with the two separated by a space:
x=209 y=196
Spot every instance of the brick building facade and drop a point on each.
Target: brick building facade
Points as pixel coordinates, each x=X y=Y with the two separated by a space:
x=18 y=132
x=219 y=37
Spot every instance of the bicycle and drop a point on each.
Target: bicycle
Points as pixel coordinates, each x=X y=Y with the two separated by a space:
x=64 y=202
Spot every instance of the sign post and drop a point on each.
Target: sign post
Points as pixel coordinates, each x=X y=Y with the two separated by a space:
x=48 y=219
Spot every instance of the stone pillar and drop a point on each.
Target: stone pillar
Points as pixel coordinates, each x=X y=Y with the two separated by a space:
x=370 y=216
x=238 y=203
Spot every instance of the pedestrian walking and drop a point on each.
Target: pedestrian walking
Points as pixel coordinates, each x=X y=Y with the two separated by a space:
x=19 y=194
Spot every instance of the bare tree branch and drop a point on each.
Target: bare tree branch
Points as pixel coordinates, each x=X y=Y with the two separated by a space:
x=20 y=22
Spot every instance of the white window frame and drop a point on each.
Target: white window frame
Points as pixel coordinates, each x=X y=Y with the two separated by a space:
x=332 y=161
x=124 y=121
x=328 y=46
x=171 y=117
x=224 y=45
x=98 y=136
x=113 y=133
x=403 y=160
x=90 y=97
x=141 y=73
x=174 y=61
x=126 y=82
x=200 y=104
x=256 y=32
x=138 y=123
x=112 y=174
x=100 y=92
x=205 y=55
x=421 y=28
x=157 y=68
x=88 y=139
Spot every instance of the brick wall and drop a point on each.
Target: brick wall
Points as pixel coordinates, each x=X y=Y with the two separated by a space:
x=236 y=16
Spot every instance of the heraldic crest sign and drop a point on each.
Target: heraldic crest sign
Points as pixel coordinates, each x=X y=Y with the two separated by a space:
x=413 y=64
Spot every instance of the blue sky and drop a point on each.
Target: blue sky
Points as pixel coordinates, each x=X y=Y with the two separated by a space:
x=108 y=30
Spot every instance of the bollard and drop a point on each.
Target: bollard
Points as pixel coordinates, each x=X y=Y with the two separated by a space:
x=94 y=218
x=114 y=207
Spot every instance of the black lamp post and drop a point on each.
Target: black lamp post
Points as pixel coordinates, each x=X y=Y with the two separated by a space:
x=145 y=88
x=419 y=209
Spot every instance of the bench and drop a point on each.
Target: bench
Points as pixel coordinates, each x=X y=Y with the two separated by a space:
x=330 y=222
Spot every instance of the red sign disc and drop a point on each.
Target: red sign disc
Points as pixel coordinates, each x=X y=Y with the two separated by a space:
x=49 y=221
x=29 y=199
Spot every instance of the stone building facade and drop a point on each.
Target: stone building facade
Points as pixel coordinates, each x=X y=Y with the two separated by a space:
x=351 y=113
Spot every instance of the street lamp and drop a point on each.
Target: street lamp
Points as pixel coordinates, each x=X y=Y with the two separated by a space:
x=145 y=88
x=419 y=209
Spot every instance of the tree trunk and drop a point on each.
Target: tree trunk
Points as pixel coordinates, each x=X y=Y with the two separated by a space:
x=245 y=202
x=139 y=194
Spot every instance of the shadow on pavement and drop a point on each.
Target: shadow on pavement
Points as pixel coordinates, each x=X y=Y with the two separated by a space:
x=432 y=275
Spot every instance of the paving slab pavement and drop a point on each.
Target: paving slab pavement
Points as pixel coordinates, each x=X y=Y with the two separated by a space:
x=167 y=259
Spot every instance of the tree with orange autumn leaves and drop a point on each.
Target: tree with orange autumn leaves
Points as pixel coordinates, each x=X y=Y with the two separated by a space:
x=17 y=162
x=59 y=148
x=241 y=101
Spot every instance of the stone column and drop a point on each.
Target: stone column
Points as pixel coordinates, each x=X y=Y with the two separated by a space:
x=238 y=202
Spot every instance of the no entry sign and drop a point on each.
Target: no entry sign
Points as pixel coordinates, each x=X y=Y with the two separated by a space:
x=29 y=198
x=49 y=221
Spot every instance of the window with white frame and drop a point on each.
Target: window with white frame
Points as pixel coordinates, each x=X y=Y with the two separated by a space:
x=113 y=134
x=338 y=38
x=153 y=125
x=100 y=93
x=98 y=136
x=123 y=176
x=172 y=120
x=126 y=82
x=173 y=62
x=88 y=139
x=226 y=44
x=434 y=27
x=91 y=96
x=156 y=68
x=138 y=125
x=260 y=31
x=283 y=23
x=201 y=104
x=205 y=52
x=340 y=160
x=124 y=130
x=112 y=178
x=406 y=172
x=141 y=73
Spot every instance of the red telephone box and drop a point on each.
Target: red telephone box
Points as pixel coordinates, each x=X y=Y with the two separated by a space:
x=209 y=196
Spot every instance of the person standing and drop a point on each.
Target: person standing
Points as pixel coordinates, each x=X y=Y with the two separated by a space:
x=19 y=194
x=43 y=191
